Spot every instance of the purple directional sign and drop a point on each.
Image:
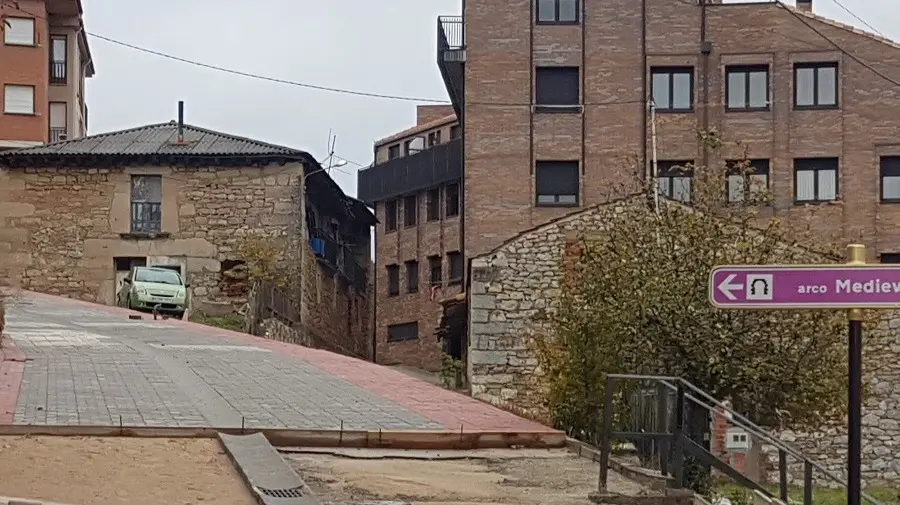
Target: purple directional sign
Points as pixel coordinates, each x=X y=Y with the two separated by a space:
x=805 y=287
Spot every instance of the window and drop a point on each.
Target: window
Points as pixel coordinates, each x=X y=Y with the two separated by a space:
x=456 y=267
x=18 y=99
x=58 y=66
x=815 y=180
x=554 y=12
x=815 y=85
x=407 y=148
x=556 y=183
x=18 y=31
x=434 y=138
x=890 y=257
x=451 y=199
x=673 y=88
x=433 y=204
x=747 y=88
x=747 y=177
x=394 y=152
x=58 y=116
x=410 y=204
x=455 y=132
x=557 y=89
x=412 y=276
x=146 y=203
x=402 y=332
x=393 y=275
x=390 y=215
x=890 y=179
x=675 y=179
x=436 y=274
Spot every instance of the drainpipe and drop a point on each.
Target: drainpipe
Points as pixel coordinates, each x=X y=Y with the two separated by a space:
x=644 y=100
x=705 y=50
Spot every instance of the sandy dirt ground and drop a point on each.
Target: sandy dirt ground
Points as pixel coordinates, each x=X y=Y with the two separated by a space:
x=511 y=477
x=120 y=471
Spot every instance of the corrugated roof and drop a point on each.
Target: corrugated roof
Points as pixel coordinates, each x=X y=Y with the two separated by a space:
x=158 y=139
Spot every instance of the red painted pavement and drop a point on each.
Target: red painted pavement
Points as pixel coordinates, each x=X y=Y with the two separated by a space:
x=453 y=410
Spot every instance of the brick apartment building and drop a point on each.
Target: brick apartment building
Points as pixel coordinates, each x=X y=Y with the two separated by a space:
x=415 y=189
x=554 y=100
x=46 y=60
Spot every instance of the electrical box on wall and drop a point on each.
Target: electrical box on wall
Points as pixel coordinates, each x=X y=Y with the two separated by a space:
x=736 y=439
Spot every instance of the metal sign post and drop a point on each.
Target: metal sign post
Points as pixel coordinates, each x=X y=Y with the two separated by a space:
x=853 y=286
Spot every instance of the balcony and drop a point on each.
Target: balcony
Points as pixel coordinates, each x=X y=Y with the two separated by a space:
x=57 y=72
x=58 y=134
x=451 y=58
x=338 y=257
x=435 y=166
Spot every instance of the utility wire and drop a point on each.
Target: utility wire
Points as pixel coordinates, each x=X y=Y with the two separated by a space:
x=861 y=20
x=843 y=51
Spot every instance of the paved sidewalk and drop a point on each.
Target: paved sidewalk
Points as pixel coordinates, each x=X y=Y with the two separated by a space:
x=90 y=365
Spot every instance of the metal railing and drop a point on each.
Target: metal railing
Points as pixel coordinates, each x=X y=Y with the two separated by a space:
x=58 y=134
x=146 y=217
x=451 y=33
x=662 y=434
x=58 y=72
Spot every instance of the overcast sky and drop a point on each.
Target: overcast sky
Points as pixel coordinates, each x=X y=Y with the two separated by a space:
x=367 y=45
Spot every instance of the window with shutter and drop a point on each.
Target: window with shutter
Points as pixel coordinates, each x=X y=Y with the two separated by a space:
x=18 y=31
x=556 y=183
x=18 y=99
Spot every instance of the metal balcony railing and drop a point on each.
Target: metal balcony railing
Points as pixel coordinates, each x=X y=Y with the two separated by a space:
x=58 y=134
x=58 y=72
x=146 y=217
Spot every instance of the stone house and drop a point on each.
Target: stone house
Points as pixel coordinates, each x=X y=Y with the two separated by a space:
x=76 y=215
x=524 y=275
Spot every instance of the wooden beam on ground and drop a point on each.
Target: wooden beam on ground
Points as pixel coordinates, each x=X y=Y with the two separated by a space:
x=285 y=437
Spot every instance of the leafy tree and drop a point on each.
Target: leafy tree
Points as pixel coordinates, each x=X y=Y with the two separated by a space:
x=639 y=303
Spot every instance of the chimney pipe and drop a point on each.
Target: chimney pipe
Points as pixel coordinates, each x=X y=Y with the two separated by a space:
x=180 y=121
x=804 y=5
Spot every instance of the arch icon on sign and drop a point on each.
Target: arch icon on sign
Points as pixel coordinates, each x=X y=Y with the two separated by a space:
x=759 y=287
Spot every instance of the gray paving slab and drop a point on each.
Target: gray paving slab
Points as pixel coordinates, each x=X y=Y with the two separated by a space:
x=90 y=367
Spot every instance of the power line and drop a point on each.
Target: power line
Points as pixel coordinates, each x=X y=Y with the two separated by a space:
x=843 y=51
x=861 y=20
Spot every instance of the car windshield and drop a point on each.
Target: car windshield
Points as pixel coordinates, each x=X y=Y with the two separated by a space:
x=158 y=276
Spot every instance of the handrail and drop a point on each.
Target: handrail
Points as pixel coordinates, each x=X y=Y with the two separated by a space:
x=754 y=429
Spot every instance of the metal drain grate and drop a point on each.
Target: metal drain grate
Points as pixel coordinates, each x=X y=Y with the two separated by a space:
x=293 y=492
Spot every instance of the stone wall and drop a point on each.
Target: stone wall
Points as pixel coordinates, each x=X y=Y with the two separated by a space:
x=524 y=276
x=61 y=228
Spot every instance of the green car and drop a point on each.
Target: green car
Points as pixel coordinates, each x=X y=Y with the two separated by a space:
x=148 y=288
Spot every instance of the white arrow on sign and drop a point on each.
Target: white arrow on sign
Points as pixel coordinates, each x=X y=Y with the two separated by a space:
x=726 y=287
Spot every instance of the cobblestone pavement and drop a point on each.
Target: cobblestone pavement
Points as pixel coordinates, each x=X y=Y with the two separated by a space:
x=91 y=365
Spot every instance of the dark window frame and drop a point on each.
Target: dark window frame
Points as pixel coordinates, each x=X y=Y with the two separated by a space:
x=57 y=64
x=393 y=280
x=556 y=20
x=455 y=132
x=675 y=169
x=412 y=276
x=410 y=217
x=460 y=265
x=816 y=66
x=671 y=71
x=435 y=266
x=758 y=166
x=547 y=101
x=574 y=165
x=433 y=205
x=394 y=152
x=391 y=218
x=888 y=166
x=799 y=167
x=452 y=211
x=141 y=206
x=434 y=138
x=403 y=332
x=747 y=70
